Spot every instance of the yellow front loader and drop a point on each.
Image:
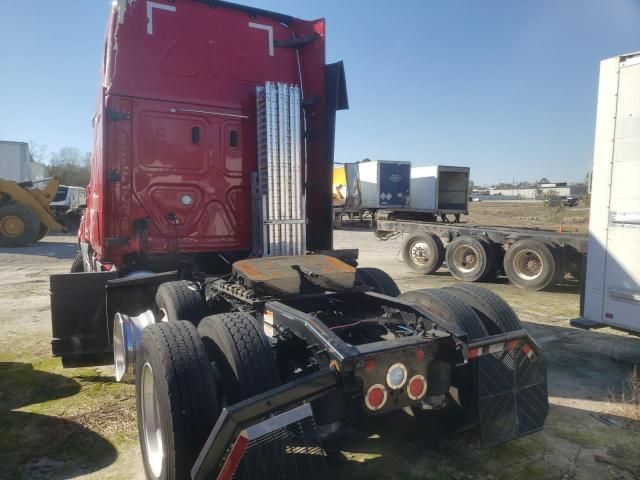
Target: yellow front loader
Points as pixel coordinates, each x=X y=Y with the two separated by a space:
x=25 y=216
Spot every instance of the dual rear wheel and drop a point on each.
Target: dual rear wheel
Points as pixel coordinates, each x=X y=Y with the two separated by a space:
x=186 y=375
x=478 y=313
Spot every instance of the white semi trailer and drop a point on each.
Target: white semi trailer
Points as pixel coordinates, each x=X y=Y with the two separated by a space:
x=16 y=163
x=612 y=290
x=410 y=192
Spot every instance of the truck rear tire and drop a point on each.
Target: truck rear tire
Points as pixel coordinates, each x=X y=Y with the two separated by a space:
x=178 y=301
x=242 y=355
x=449 y=309
x=532 y=264
x=379 y=280
x=78 y=264
x=19 y=226
x=471 y=259
x=461 y=413
x=423 y=253
x=176 y=399
x=496 y=314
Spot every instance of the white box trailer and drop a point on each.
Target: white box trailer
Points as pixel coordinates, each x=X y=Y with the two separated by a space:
x=612 y=290
x=384 y=184
x=440 y=189
x=15 y=161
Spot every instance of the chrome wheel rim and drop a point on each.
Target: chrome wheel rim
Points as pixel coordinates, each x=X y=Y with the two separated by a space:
x=420 y=253
x=151 y=422
x=465 y=258
x=528 y=264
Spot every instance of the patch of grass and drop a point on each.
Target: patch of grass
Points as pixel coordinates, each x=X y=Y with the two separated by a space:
x=582 y=438
x=622 y=456
x=58 y=423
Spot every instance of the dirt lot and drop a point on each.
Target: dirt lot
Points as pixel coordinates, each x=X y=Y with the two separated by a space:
x=57 y=423
x=529 y=214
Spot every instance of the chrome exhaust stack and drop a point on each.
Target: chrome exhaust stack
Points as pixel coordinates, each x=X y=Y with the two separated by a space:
x=127 y=334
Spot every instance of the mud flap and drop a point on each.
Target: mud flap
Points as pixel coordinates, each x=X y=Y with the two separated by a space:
x=268 y=436
x=83 y=306
x=512 y=395
x=78 y=318
x=285 y=446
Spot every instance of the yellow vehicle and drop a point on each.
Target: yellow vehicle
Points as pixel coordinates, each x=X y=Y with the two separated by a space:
x=339 y=186
x=25 y=216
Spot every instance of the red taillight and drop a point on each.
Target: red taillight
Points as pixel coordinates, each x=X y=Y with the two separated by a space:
x=376 y=397
x=417 y=387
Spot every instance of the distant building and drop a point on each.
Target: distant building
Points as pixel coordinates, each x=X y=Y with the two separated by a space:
x=552 y=185
x=560 y=188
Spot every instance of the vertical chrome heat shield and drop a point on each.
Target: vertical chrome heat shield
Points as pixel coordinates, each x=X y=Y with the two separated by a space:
x=280 y=206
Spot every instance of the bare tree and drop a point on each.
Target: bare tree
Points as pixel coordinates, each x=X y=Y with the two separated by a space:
x=38 y=152
x=71 y=166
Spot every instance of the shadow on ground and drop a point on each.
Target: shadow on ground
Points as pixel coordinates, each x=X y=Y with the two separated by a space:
x=35 y=446
x=397 y=447
x=44 y=248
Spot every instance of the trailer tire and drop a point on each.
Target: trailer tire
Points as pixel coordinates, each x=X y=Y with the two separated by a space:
x=471 y=259
x=78 y=264
x=242 y=355
x=379 y=280
x=176 y=399
x=423 y=253
x=496 y=314
x=532 y=264
x=19 y=226
x=178 y=301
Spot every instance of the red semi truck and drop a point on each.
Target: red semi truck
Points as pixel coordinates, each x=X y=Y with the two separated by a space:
x=206 y=273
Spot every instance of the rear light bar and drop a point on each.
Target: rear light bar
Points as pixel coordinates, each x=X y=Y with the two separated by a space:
x=489 y=349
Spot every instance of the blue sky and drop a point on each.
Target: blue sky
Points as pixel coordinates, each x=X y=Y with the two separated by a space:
x=507 y=88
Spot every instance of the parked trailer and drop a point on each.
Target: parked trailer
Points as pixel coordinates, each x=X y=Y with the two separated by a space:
x=15 y=162
x=440 y=190
x=412 y=193
x=533 y=259
x=244 y=365
x=611 y=296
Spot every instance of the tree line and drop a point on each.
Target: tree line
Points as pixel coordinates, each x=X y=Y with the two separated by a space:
x=71 y=165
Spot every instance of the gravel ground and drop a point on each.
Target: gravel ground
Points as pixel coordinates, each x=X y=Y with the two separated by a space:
x=79 y=423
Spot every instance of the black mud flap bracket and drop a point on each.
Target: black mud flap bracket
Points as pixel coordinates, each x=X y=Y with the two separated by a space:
x=78 y=318
x=83 y=306
x=268 y=436
x=512 y=391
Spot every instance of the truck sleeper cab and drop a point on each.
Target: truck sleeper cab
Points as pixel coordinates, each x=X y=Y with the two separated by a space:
x=237 y=360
